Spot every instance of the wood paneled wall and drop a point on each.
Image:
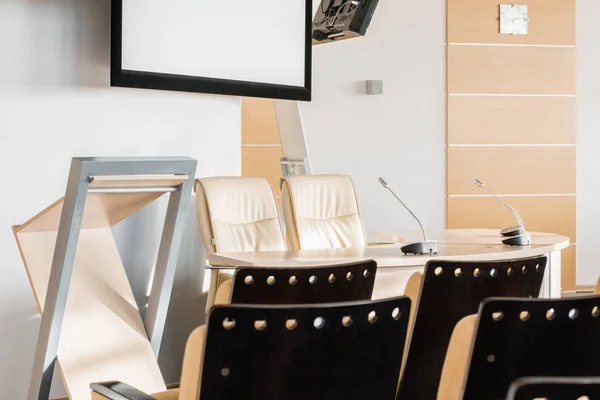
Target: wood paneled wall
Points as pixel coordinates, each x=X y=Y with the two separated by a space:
x=511 y=119
x=261 y=143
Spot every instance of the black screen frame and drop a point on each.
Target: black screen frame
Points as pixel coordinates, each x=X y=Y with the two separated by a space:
x=198 y=84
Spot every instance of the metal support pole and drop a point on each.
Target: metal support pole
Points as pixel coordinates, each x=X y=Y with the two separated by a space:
x=166 y=264
x=58 y=284
x=288 y=166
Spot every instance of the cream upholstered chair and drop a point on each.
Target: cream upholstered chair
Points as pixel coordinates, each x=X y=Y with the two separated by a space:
x=321 y=211
x=236 y=214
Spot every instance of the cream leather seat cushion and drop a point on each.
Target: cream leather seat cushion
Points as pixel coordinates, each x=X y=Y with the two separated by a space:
x=321 y=211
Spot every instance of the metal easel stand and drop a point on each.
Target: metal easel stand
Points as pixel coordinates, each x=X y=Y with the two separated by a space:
x=82 y=172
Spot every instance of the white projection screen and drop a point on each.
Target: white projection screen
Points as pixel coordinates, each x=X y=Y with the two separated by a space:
x=259 y=48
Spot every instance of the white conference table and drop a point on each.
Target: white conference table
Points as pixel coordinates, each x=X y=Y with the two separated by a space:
x=394 y=268
x=465 y=236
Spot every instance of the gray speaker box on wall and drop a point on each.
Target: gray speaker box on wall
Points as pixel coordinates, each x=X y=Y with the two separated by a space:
x=374 y=87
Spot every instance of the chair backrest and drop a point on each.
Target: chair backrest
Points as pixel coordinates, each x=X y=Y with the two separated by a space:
x=338 y=351
x=517 y=338
x=554 y=388
x=238 y=214
x=451 y=290
x=321 y=212
x=330 y=284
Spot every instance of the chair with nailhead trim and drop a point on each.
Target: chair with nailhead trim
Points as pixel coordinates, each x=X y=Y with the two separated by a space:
x=446 y=292
x=350 y=351
x=304 y=285
x=514 y=338
x=555 y=388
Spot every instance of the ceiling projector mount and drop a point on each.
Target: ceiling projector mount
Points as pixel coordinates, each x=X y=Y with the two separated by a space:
x=342 y=19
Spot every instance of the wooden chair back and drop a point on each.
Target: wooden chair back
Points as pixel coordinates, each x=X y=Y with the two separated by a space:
x=330 y=284
x=554 y=388
x=350 y=351
x=518 y=338
x=451 y=290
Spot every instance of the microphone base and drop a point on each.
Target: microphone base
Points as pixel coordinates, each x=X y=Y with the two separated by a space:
x=513 y=231
x=425 y=247
x=519 y=240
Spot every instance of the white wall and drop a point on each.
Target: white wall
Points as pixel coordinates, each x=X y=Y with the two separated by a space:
x=399 y=135
x=588 y=141
x=55 y=103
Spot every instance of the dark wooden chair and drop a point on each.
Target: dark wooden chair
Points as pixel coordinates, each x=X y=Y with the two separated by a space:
x=448 y=292
x=350 y=351
x=554 y=388
x=515 y=338
x=305 y=285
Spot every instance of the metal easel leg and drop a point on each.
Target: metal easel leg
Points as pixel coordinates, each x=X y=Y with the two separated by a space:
x=58 y=284
x=166 y=264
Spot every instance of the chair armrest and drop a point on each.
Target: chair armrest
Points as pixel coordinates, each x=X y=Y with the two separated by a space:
x=119 y=391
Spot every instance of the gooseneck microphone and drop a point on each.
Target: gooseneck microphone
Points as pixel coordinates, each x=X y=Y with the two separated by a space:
x=424 y=247
x=516 y=235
